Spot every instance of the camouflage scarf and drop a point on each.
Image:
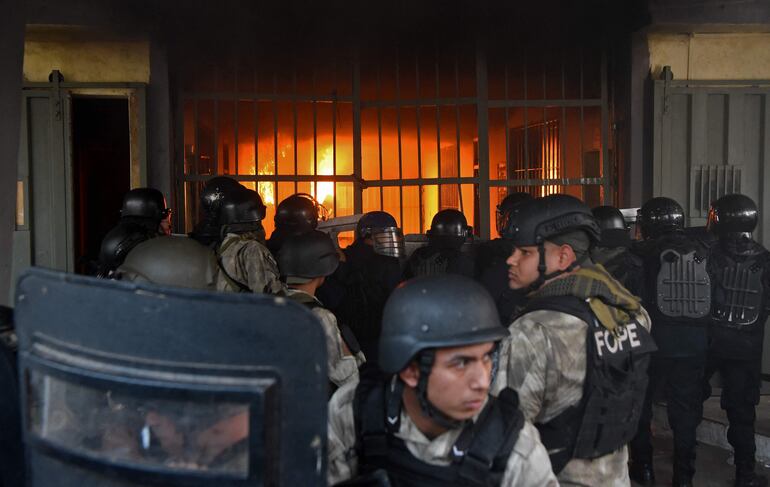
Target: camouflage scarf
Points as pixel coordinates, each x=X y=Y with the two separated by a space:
x=609 y=300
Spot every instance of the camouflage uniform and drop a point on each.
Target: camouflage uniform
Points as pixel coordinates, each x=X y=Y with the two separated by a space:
x=528 y=464
x=249 y=262
x=544 y=360
x=342 y=367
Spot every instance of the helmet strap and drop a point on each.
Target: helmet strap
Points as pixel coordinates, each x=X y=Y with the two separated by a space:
x=541 y=269
x=425 y=362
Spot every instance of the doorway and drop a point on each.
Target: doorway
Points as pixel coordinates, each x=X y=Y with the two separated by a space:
x=101 y=168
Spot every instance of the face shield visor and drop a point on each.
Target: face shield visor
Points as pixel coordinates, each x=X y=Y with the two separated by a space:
x=389 y=241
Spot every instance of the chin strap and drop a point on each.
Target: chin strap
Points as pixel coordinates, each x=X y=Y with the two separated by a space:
x=541 y=269
x=425 y=361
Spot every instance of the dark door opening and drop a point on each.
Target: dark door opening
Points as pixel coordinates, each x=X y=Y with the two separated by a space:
x=101 y=172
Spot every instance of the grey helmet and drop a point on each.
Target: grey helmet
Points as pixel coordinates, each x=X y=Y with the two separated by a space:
x=432 y=312
x=171 y=261
x=307 y=256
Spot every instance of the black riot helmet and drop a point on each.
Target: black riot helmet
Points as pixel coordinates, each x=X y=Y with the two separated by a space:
x=213 y=194
x=542 y=219
x=171 y=261
x=609 y=218
x=506 y=206
x=297 y=213
x=306 y=256
x=613 y=226
x=558 y=218
x=147 y=203
x=374 y=220
x=659 y=216
x=241 y=210
x=732 y=215
x=449 y=223
x=432 y=312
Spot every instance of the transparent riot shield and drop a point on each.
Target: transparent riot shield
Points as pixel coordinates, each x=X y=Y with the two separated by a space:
x=132 y=384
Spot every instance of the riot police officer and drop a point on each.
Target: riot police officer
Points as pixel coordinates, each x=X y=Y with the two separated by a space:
x=613 y=250
x=357 y=291
x=492 y=271
x=448 y=232
x=245 y=264
x=306 y=259
x=295 y=215
x=426 y=417
x=578 y=353
x=207 y=231
x=677 y=293
x=739 y=268
x=144 y=215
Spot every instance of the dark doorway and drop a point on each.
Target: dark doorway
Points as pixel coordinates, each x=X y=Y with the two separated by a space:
x=101 y=172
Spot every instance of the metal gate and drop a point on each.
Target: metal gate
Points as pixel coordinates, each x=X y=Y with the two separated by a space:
x=408 y=130
x=710 y=139
x=44 y=218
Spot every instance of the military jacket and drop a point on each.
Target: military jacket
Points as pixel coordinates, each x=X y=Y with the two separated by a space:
x=528 y=464
x=342 y=366
x=247 y=265
x=544 y=360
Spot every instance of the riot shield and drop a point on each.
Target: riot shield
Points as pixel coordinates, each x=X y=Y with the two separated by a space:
x=128 y=384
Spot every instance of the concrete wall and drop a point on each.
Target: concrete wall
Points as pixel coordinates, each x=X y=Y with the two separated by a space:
x=86 y=60
x=710 y=56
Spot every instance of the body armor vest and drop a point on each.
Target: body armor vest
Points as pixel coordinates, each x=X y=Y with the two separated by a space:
x=616 y=379
x=682 y=285
x=626 y=267
x=480 y=454
x=739 y=292
x=429 y=261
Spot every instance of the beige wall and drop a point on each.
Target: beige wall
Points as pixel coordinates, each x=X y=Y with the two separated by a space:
x=717 y=56
x=87 y=60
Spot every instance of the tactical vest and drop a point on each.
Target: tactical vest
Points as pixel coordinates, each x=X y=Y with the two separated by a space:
x=682 y=284
x=624 y=266
x=606 y=417
x=738 y=293
x=429 y=262
x=479 y=456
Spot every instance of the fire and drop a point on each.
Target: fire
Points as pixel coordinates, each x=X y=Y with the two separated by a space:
x=323 y=192
x=266 y=187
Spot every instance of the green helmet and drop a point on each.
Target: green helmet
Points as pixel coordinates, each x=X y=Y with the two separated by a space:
x=171 y=261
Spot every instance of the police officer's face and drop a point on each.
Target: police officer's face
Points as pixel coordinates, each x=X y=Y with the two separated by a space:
x=523 y=262
x=460 y=380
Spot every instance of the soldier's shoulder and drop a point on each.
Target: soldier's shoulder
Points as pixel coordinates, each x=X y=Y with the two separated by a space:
x=324 y=314
x=527 y=441
x=547 y=320
x=341 y=403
